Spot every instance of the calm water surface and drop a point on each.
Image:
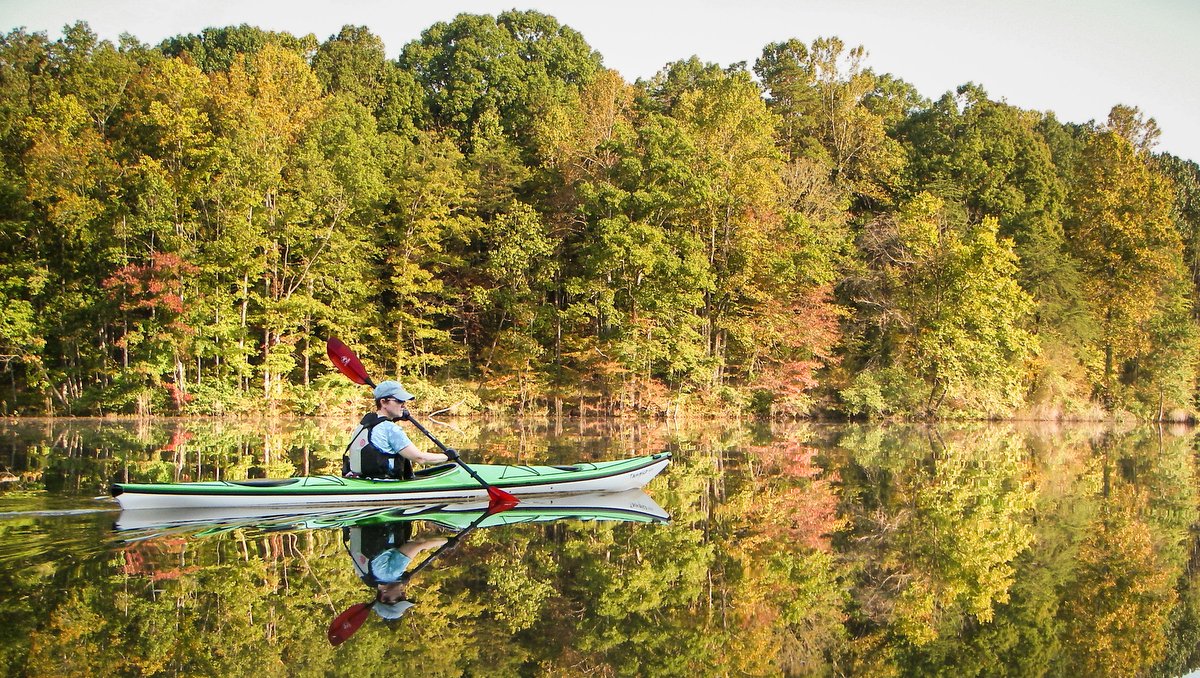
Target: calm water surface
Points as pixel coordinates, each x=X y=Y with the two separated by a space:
x=791 y=550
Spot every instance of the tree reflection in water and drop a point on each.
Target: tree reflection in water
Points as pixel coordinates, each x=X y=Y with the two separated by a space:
x=797 y=550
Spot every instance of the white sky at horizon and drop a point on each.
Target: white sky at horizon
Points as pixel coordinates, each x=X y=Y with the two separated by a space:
x=1074 y=57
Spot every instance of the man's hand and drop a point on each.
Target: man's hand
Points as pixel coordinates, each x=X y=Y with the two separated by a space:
x=451 y=453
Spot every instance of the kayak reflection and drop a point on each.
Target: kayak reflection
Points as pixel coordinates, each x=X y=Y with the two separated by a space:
x=379 y=539
x=627 y=506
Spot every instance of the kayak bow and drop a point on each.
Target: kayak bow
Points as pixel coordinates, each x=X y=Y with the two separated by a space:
x=447 y=482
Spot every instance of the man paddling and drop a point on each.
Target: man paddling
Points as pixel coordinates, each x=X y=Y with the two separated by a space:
x=381 y=449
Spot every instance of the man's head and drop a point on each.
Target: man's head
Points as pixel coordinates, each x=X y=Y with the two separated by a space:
x=391 y=394
x=390 y=600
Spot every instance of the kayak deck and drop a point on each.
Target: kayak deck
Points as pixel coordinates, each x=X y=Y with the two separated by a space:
x=445 y=482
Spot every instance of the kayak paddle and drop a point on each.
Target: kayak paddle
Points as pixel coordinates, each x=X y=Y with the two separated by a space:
x=503 y=500
x=348 y=363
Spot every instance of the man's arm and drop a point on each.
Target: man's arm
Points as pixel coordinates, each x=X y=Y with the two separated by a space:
x=412 y=548
x=411 y=452
x=399 y=440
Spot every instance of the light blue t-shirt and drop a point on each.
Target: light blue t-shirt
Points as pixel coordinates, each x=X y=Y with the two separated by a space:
x=390 y=565
x=389 y=438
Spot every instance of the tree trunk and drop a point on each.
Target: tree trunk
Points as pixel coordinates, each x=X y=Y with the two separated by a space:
x=242 y=335
x=266 y=364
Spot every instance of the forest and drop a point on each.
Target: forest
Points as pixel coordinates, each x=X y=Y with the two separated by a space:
x=508 y=226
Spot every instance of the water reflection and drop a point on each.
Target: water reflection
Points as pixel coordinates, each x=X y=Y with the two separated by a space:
x=796 y=550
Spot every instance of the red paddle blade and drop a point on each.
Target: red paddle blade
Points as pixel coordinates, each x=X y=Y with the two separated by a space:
x=345 y=624
x=345 y=360
x=499 y=500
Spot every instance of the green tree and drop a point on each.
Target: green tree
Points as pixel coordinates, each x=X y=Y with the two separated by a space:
x=727 y=197
x=1122 y=232
x=425 y=286
x=994 y=160
x=1186 y=176
x=989 y=157
x=215 y=50
x=70 y=176
x=948 y=308
x=512 y=64
x=825 y=95
x=353 y=63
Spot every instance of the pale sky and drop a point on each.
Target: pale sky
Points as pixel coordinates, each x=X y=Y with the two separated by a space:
x=1074 y=57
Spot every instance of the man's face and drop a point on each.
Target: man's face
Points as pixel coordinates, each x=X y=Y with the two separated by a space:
x=394 y=408
x=391 y=593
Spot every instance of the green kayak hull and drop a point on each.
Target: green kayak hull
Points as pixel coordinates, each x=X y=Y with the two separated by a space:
x=448 y=482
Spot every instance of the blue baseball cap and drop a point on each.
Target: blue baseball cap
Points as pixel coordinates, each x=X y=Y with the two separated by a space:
x=392 y=610
x=392 y=389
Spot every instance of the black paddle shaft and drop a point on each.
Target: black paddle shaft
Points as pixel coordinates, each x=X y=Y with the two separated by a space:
x=449 y=452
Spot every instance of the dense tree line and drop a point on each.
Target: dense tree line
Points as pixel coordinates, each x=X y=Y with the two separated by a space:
x=498 y=218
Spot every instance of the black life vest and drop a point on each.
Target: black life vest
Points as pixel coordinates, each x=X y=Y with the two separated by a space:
x=362 y=458
x=365 y=542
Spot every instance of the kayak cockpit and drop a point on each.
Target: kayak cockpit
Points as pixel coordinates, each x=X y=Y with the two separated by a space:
x=434 y=470
x=265 y=482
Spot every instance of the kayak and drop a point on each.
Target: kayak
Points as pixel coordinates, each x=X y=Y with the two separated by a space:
x=447 y=482
x=629 y=506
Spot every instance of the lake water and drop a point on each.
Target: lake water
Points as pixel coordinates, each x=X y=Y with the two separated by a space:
x=791 y=550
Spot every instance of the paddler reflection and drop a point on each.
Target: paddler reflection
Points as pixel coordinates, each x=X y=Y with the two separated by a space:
x=382 y=555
